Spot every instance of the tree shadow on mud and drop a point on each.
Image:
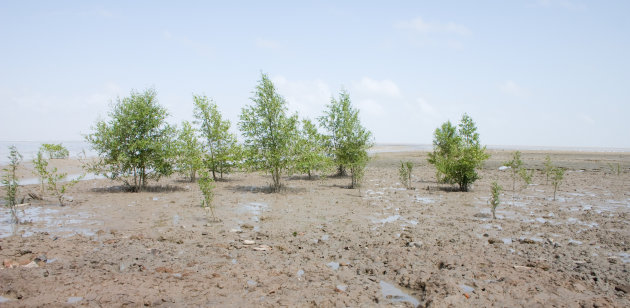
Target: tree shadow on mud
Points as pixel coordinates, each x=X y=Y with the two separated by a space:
x=188 y=181
x=128 y=189
x=266 y=189
x=306 y=178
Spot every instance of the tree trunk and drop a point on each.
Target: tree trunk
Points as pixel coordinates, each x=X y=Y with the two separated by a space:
x=341 y=171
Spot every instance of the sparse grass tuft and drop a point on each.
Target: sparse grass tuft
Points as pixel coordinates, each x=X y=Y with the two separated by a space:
x=206 y=185
x=556 y=180
x=10 y=181
x=495 y=192
x=404 y=173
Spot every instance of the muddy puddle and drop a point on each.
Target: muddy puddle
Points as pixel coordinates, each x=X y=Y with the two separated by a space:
x=249 y=214
x=396 y=294
x=54 y=220
x=70 y=177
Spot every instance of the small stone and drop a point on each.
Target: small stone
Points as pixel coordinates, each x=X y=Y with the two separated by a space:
x=612 y=260
x=10 y=263
x=236 y=231
x=262 y=248
x=493 y=240
x=341 y=288
x=248 y=242
x=74 y=299
x=414 y=244
x=32 y=264
x=247 y=226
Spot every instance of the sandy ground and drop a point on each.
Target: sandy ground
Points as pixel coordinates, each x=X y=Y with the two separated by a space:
x=318 y=243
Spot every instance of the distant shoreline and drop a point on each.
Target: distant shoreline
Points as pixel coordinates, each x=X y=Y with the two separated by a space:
x=28 y=149
x=402 y=147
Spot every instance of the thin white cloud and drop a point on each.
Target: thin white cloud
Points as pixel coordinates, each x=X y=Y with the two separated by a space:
x=510 y=87
x=267 y=44
x=421 y=26
x=368 y=86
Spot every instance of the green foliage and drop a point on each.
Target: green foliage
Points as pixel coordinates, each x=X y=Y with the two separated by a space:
x=135 y=145
x=268 y=132
x=526 y=175
x=206 y=185
x=357 y=169
x=556 y=179
x=189 y=151
x=457 y=153
x=548 y=168
x=41 y=165
x=310 y=150
x=495 y=192
x=10 y=181
x=55 y=182
x=404 y=173
x=615 y=168
x=518 y=171
x=224 y=151
x=55 y=150
x=347 y=139
x=58 y=185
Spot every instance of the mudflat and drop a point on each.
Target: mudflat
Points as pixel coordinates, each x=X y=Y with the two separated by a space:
x=317 y=243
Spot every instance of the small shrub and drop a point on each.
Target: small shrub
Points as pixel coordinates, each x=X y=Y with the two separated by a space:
x=41 y=165
x=495 y=192
x=310 y=150
x=556 y=180
x=357 y=171
x=457 y=153
x=224 y=152
x=57 y=184
x=548 y=168
x=10 y=181
x=206 y=185
x=518 y=171
x=55 y=150
x=615 y=169
x=404 y=173
x=347 y=139
x=189 y=150
x=135 y=144
x=268 y=132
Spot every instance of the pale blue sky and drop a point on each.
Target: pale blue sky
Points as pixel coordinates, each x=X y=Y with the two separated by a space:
x=530 y=72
